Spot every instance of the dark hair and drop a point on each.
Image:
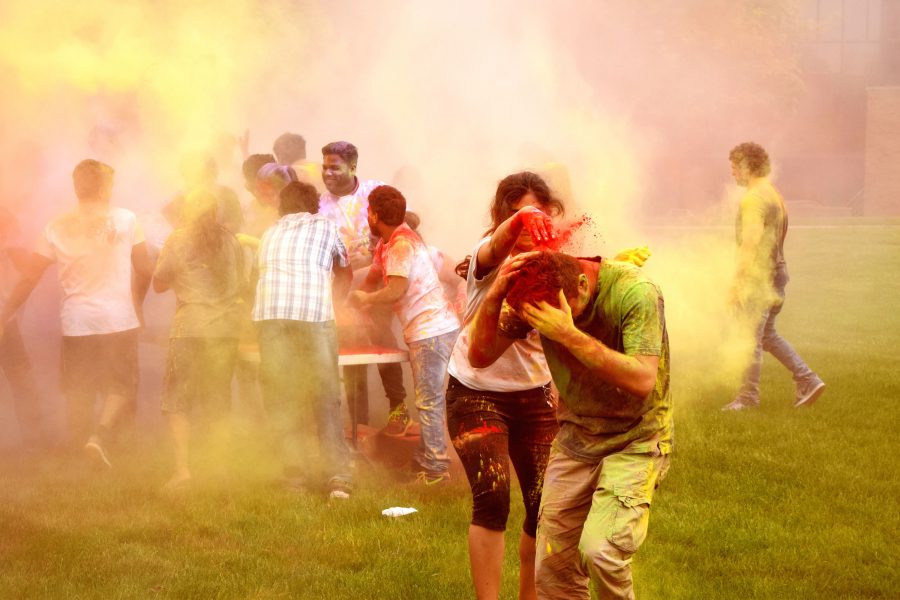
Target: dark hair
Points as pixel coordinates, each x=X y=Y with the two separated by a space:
x=510 y=191
x=389 y=204
x=276 y=175
x=253 y=163
x=347 y=151
x=298 y=197
x=289 y=148
x=542 y=276
x=89 y=177
x=754 y=156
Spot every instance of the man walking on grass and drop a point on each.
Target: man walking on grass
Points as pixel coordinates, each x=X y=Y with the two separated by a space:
x=603 y=332
x=402 y=262
x=96 y=247
x=758 y=290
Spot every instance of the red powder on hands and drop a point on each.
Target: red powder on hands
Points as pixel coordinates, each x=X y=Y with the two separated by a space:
x=538 y=225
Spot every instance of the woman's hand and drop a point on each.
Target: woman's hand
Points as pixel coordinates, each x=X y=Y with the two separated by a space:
x=507 y=275
x=537 y=223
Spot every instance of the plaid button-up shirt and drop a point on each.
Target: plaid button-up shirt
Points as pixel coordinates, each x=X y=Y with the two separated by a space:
x=295 y=260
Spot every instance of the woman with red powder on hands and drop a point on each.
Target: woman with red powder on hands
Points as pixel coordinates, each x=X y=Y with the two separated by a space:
x=507 y=410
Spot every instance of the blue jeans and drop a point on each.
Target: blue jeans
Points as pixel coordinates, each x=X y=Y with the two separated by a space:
x=429 y=358
x=769 y=340
x=299 y=375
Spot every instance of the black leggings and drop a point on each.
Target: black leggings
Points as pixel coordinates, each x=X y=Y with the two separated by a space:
x=490 y=428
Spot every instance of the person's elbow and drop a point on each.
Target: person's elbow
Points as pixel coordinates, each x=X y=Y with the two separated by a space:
x=480 y=359
x=160 y=286
x=644 y=380
x=644 y=386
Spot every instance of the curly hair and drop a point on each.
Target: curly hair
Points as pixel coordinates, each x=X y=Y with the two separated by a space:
x=389 y=204
x=754 y=156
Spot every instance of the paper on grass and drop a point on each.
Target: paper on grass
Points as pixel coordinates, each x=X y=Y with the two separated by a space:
x=398 y=511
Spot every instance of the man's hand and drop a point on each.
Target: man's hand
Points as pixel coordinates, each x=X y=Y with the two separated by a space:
x=635 y=256
x=553 y=323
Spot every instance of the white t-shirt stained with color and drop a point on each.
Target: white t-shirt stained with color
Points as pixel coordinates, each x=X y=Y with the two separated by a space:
x=423 y=310
x=350 y=214
x=92 y=247
x=523 y=365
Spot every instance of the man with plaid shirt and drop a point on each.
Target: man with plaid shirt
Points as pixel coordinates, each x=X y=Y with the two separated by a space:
x=300 y=258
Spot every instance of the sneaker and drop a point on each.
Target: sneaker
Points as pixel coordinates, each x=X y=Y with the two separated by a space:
x=340 y=490
x=739 y=403
x=95 y=451
x=431 y=478
x=398 y=422
x=807 y=394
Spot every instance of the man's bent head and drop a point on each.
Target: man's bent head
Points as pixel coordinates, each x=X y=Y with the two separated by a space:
x=542 y=276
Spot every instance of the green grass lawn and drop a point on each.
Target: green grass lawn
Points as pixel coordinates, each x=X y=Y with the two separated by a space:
x=771 y=503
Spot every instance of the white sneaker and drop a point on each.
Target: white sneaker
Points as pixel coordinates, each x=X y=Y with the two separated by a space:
x=810 y=393
x=95 y=451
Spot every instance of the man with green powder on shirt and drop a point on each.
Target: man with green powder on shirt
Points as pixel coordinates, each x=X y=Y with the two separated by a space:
x=602 y=327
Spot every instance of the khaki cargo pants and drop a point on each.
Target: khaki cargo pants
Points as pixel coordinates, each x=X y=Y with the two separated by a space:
x=593 y=518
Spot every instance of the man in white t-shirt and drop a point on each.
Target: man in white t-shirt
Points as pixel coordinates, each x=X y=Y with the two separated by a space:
x=346 y=204
x=95 y=247
x=412 y=287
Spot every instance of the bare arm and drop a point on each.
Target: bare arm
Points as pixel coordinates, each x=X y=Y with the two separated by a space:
x=486 y=342
x=343 y=277
x=372 y=280
x=635 y=375
x=394 y=290
x=504 y=237
x=32 y=272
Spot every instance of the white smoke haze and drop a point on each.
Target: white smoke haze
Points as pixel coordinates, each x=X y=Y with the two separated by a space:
x=619 y=95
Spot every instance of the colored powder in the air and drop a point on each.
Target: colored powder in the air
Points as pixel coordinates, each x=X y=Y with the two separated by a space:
x=565 y=235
